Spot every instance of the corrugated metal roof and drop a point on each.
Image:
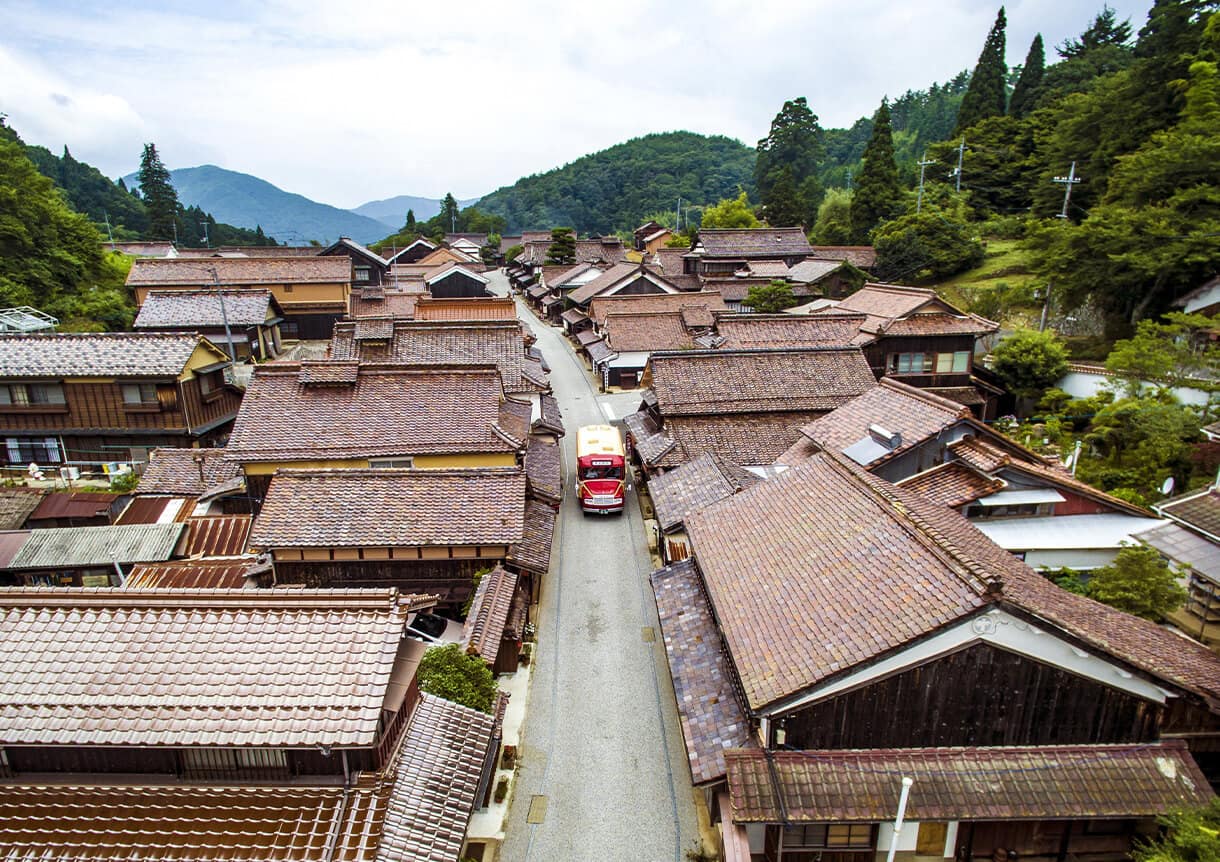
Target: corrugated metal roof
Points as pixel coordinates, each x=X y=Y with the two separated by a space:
x=218 y=536
x=77 y=504
x=219 y=668
x=73 y=547
x=194 y=575
x=10 y=543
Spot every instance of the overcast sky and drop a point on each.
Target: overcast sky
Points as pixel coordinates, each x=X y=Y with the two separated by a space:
x=351 y=102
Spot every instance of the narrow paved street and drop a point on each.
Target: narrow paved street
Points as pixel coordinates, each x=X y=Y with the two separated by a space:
x=601 y=744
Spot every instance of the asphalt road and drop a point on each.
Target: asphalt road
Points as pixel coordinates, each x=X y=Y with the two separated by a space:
x=601 y=744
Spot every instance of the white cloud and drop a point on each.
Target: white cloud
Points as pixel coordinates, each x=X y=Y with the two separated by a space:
x=346 y=105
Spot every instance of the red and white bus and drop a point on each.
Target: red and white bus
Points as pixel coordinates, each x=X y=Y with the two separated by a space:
x=601 y=469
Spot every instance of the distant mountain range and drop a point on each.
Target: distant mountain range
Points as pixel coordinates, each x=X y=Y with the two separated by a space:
x=247 y=201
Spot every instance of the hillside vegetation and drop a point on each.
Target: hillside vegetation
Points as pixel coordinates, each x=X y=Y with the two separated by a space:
x=619 y=188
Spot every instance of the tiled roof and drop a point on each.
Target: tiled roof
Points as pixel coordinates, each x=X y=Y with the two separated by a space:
x=574 y=316
x=184 y=309
x=894 y=309
x=492 y=342
x=646 y=331
x=239 y=271
x=515 y=420
x=598 y=351
x=83 y=547
x=533 y=552
x=250 y=251
x=773 y=269
x=863 y=256
x=1008 y=783
x=346 y=242
x=389 y=410
x=193 y=574
x=734 y=289
x=1185 y=547
x=743 y=438
x=437 y=772
x=694 y=486
x=551 y=419
x=786 y=330
x=282 y=668
x=177 y=472
x=754 y=243
x=708 y=303
x=188 y=823
x=812 y=271
x=937 y=323
x=844 y=555
x=543 y=463
x=953 y=484
x=97 y=354
x=388 y=303
x=587 y=337
x=488 y=614
x=980 y=454
x=728 y=381
x=888 y=301
x=915 y=414
x=557 y=276
x=391 y=508
x=1199 y=510
x=711 y=716
x=610 y=278
x=651 y=444
x=16 y=505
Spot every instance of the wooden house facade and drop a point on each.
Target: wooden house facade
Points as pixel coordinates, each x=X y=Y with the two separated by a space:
x=456 y=282
x=94 y=399
x=991 y=666
x=369 y=269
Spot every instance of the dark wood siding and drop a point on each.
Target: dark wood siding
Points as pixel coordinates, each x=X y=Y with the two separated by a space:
x=203 y=411
x=202 y=764
x=310 y=326
x=639 y=287
x=100 y=406
x=453 y=580
x=879 y=352
x=980 y=695
x=457 y=286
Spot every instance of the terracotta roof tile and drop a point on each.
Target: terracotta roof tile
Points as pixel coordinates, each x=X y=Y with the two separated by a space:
x=177 y=472
x=391 y=508
x=500 y=343
x=1084 y=781
x=543 y=465
x=611 y=278
x=389 y=410
x=391 y=304
x=646 y=331
x=551 y=419
x=694 y=486
x=239 y=271
x=705 y=305
x=649 y=442
x=757 y=243
x=488 y=614
x=98 y=354
x=940 y=324
x=728 y=381
x=437 y=779
x=750 y=439
x=786 y=330
x=191 y=823
x=1199 y=510
x=953 y=484
x=185 y=309
x=711 y=716
x=533 y=552
x=16 y=505
x=196 y=667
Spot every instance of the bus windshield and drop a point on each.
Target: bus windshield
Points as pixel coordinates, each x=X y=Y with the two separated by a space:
x=587 y=473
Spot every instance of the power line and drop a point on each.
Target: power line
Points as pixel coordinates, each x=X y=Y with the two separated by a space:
x=1070 y=180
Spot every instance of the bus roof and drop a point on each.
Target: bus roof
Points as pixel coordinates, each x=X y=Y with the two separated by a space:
x=598 y=440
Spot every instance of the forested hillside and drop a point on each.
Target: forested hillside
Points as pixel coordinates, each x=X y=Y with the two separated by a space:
x=621 y=187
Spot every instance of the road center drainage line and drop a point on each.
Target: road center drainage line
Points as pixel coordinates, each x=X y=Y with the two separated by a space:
x=656 y=687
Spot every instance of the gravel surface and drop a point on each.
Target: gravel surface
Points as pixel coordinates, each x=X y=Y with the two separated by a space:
x=601 y=741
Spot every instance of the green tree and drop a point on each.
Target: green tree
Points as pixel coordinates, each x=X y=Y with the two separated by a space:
x=1105 y=30
x=833 y=226
x=448 y=672
x=448 y=214
x=563 y=246
x=1141 y=442
x=513 y=252
x=1138 y=582
x=787 y=165
x=490 y=251
x=160 y=198
x=1167 y=353
x=409 y=224
x=1025 y=93
x=1190 y=836
x=731 y=213
x=770 y=298
x=1030 y=362
x=987 y=95
x=877 y=197
x=932 y=243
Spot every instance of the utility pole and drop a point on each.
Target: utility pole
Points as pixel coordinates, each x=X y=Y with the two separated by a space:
x=922 y=166
x=224 y=315
x=961 y=153
x=109 y=232
x=1046 y=307
x=849 y=181
x=1070 y=180
x=174 y=223
x=207 y=243
x=678 y=214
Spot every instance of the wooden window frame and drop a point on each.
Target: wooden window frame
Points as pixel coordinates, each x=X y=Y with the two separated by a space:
x=26 y=401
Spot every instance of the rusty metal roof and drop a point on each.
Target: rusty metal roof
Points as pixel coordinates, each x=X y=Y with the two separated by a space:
x=278 y=667
x=75 y=504
x=196 y=574
x=218 y=536
x=1008 y=783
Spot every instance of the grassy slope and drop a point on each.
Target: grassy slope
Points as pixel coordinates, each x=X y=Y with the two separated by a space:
x=1004 y=271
